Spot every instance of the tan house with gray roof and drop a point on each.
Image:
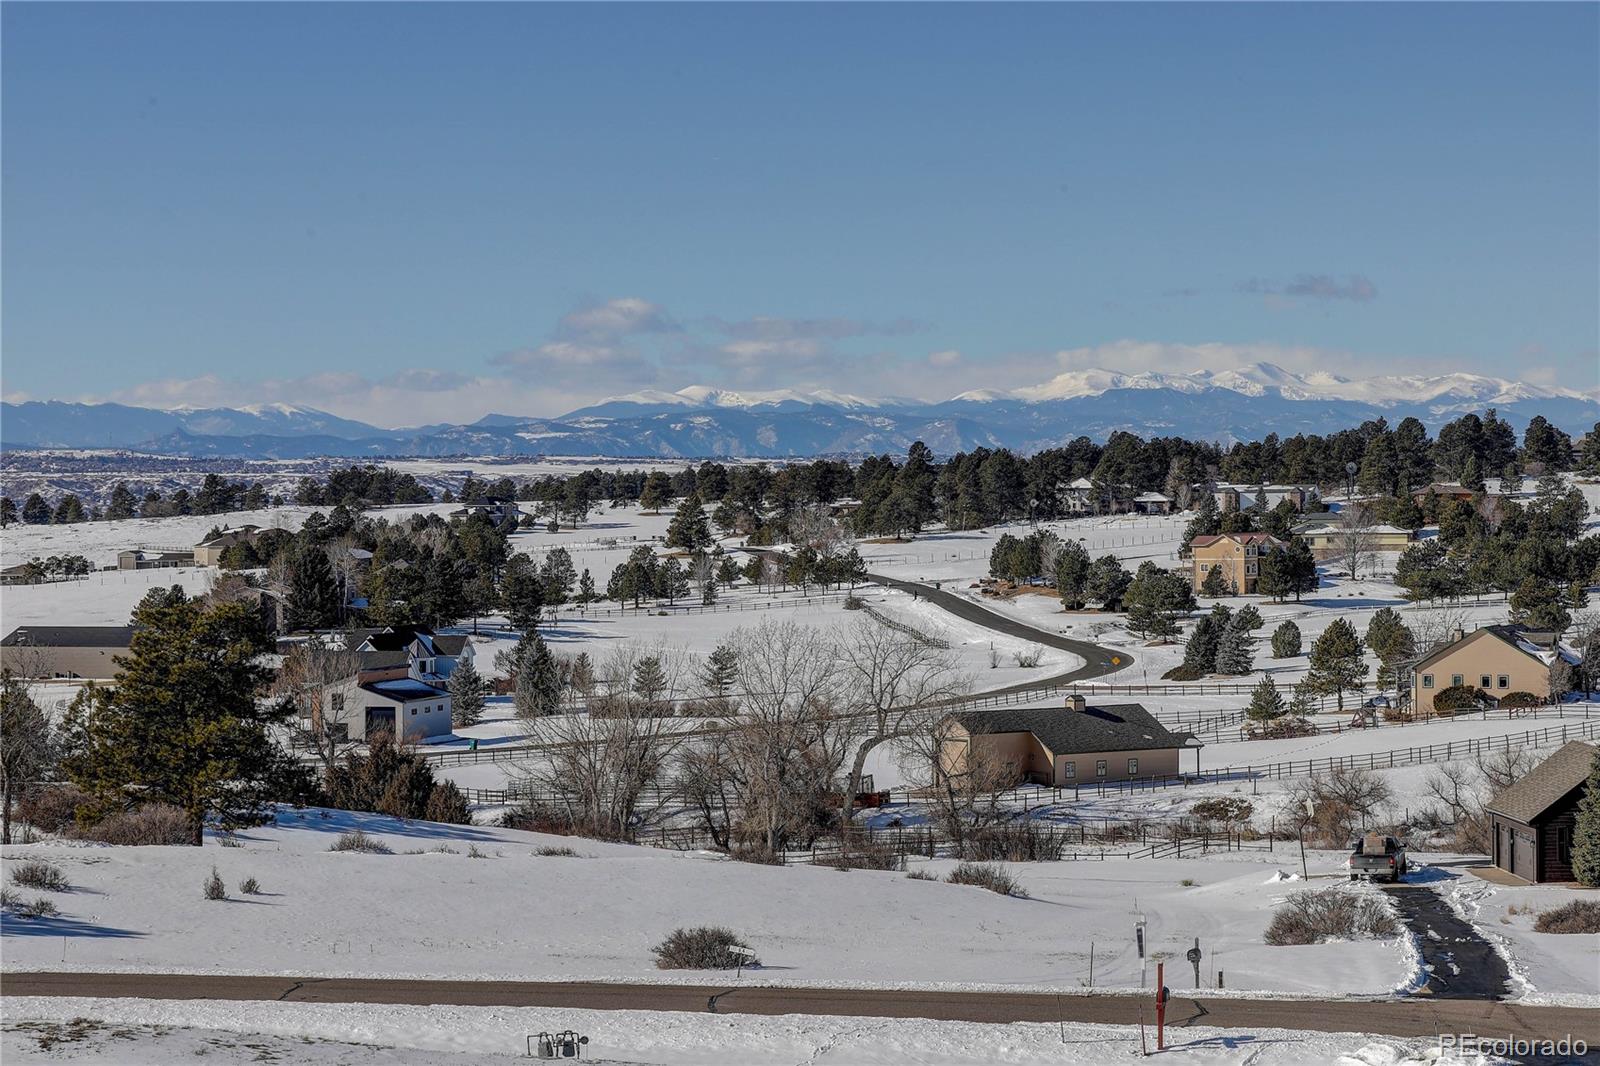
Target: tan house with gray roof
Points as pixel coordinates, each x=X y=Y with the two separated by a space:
x=1498 y=659
x=1072 y=743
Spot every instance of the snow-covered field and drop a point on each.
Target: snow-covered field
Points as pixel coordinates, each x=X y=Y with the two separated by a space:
x=1556 y=965
x=507 y=912
x=130 y=1032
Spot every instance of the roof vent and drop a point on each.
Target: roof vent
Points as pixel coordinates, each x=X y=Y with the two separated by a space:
x=1076 y=702
x=1457 y=634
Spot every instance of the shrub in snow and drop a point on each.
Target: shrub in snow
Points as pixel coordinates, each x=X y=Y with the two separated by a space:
x=991 y=877
x=215 y=889
x=52 y=809
x=1030 y=658
x=1022 y=842
x=921 y=875
x=705 y=947
x=356 y=840
x=1521 y=699
x=40 y=875
x=869 y=857
x=1461 y=698
x=151 y=824
x=853 y=602
x=38 y=908
x=250 y=887
x=549 y=851
x=1579 y=916
x=1315 y=915
x=1229 y=809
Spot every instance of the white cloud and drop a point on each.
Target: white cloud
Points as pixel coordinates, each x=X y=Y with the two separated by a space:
x=948 y=357
x=622 y=317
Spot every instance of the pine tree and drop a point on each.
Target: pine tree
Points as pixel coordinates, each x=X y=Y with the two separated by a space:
x=1300 y=568
x=122 y=504
x=1381 y=628
x=657 y=492
x=721 y=671
x=1336 y=663
x=468 y=691
x=1072 y=575
x=556 y=576
x=538 y=687
x=1215 y=584
x=1249 y=616
x=521 y=593
x=35 y=512
x=649 y=679
x=1155 y=600
x=185 y=723
x=1200 y=651
x=1108 y=583
x=1586 y=835
x=708 y=593
x=1286 y=641
x=1266 y=702
x=27 y=746
x=313 y=601
x=8 y=511
x=1207 y=521
x=688 y=529
x=1236 y=650
x=727 y=572
x=586 y=589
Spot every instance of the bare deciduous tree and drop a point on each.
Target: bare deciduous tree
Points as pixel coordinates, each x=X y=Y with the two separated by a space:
x=963 y=795
x=310 y=669
x=603 y=770
x=1341 y=803
x=790 y=745
x=1357 y=543
x=892 y=679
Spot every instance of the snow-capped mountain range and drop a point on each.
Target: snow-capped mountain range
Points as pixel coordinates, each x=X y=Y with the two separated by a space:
x=1241 y=403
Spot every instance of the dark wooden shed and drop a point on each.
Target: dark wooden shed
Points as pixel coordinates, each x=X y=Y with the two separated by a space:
x=1533 y=821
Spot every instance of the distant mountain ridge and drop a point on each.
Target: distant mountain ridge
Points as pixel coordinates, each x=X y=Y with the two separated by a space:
x=1244 y=403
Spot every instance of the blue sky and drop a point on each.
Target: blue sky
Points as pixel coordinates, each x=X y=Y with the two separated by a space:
x=412 y=213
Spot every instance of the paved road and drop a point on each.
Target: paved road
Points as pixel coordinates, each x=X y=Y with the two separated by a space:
x=1394 y=1017
x=1097 y=661
x=1464 y=964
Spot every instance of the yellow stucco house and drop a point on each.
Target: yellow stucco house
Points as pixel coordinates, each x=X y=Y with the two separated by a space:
x=1237 y=555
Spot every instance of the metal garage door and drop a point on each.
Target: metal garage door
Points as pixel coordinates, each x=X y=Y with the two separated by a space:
x=1525 y=867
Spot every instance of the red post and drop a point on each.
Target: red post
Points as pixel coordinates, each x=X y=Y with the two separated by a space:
x=1161 y=1006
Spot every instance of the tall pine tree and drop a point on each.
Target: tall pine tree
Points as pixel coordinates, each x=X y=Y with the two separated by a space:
x=185 y=723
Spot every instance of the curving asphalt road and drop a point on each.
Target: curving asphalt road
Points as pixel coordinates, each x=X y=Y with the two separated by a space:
x=1407 y=1018
x=1097 y=661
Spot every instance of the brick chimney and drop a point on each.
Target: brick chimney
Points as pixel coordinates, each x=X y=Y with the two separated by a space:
x=1457 y=635
x=1076 y=702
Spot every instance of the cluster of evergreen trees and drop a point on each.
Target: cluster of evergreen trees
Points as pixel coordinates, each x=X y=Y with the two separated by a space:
x=357 y=487
x=1535 y=553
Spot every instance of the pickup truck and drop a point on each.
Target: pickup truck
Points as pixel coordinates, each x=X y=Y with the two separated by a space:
x=1377 y=857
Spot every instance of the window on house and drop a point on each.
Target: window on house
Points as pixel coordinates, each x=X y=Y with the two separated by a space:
x=1100 y=768
x=1069 y=769
x=1133 y=766
x=1427 y=680
x=1503 y=681
x=1455 y=680
x=413 y=712
x=1564 y=844
x=336 y=703
x=1484 y=681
